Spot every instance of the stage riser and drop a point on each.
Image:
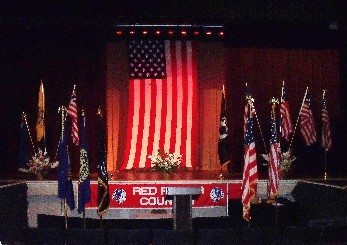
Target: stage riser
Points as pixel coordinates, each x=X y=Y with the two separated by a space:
x=42 y=199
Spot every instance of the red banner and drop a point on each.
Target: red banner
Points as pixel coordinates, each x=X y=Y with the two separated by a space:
x=154 y=195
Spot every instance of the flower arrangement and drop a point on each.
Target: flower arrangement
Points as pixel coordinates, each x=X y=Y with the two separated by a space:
x=286 y=161
x=40 y=163
x=165 y=162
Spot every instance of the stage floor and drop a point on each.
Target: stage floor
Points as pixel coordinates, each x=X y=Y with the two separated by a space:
x=181 y=174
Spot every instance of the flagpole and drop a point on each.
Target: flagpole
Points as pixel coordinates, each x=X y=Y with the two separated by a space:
x=62 y=110
x=275 y=101
x=282 y=92
x=297 y=120
x=261 y=132
x=84 y=219
x=24 y=117
x=65 y=213
x=43 y=117
x=325 y=152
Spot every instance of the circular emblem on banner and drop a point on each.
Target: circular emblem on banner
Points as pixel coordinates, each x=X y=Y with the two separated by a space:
x=120 y=195
x=216 y=194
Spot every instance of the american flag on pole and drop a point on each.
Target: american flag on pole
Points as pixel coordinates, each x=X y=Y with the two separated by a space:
x=274 y=159
x=162 y=110
x=250 y=171
x=73 y=114
x=286 y=119
x=326 y=133
x=307 y=127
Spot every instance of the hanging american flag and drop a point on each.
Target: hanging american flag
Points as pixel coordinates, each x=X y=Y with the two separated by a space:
x=326 y=134
x=286 y=119
x=73 y=114
x=307 y=127
x=274 y=159
x=146 y=59
x=162 y=112
x=250 y=171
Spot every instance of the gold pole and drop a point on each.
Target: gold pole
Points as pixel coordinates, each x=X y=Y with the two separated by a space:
x=297 y=120
x=325 y=166
x=24 y=117
x=65 y=213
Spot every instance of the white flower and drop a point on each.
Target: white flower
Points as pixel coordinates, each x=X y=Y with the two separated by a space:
x=164 y=161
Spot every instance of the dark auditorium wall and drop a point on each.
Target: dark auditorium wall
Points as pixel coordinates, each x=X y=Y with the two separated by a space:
x=63 y=58
x=69 y=47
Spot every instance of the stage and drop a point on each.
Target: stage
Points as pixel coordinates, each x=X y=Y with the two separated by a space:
x=143 y=194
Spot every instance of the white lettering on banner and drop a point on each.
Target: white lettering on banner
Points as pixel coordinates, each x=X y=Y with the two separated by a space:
x=145 y=191
x=163 y=190
x=153 y=201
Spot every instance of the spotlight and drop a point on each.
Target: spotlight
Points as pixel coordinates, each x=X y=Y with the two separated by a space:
x=144 y=32
x=221 y=34
x=209 y=33
x=157 y=32
x=131 y=32
x=119 y=33
x=196 y=33
x=171 y=33
x=184 y=33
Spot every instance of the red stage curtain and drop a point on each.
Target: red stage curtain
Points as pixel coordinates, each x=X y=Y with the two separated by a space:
x=263 y=69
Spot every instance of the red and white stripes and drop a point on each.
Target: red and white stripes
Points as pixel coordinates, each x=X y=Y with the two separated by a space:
x=73 y=113
x=162 y=112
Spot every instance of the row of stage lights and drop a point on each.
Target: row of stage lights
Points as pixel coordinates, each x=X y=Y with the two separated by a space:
x=166 y=31
x=170 y=33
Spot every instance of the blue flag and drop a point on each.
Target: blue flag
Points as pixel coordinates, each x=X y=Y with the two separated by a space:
x=84 y=180
x=65 y=187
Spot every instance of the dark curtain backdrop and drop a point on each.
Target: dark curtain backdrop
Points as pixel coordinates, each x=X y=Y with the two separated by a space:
x=63 y=60
x=264 y=70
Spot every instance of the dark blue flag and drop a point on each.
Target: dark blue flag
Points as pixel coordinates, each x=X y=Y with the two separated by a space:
x=65 y=187
x=84 y=180
x=223 y=144
x=24 y=144
x=103 y=192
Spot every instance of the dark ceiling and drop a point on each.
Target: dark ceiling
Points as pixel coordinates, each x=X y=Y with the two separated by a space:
x=164 y=11
x=271 y=23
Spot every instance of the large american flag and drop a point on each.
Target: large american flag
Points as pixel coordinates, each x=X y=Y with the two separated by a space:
x=73 y=113
x=286 y=119
x=326 y=133
x=307 y=127
x=274 y=159
x=250 y=171
x=162 y=113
